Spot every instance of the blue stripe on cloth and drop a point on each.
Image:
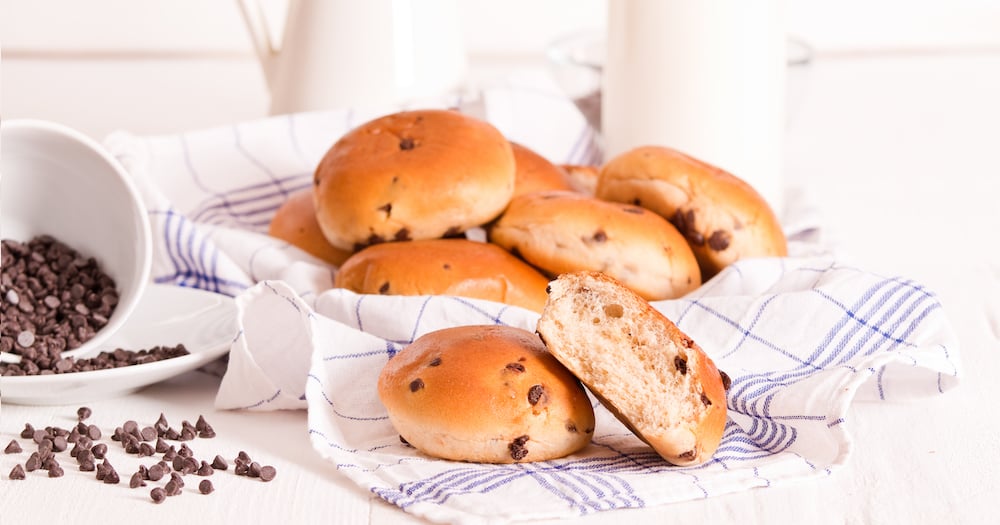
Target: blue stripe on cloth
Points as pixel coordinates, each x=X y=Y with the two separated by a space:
x=193 y=256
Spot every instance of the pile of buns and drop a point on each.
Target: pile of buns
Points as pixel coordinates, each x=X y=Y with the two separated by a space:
x=436 y=202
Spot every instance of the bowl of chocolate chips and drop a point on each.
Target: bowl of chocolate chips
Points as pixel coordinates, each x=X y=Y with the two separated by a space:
x=76 y=243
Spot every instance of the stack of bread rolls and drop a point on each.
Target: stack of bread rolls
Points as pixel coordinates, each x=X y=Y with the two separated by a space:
x=393 y=207
x=389 y=192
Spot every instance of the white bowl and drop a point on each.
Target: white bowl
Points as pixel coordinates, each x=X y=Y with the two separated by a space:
x=57 y=181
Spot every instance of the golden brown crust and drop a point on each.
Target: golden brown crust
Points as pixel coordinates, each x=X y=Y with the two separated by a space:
x=722 y=217
x=583 y=178
x=444 y=267
x=295 y=223
x=639 y=364
x=485 y=393
x=536 y=173
x=412 y=175
x=562 y=231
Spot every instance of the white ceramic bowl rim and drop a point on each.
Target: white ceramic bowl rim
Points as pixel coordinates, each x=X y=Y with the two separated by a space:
x=140 y=269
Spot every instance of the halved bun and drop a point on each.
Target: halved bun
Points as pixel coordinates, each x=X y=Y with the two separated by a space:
x=652 y=376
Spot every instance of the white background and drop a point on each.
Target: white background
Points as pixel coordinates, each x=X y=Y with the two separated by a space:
x=159 y=66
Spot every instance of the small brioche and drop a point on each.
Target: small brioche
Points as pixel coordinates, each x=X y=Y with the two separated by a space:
x=563 y=231
x=647 y=372
x=421 y=174
x=722 y=217
x=489 y=394
x=444 y=267
x=295 y=223
x=536 y=173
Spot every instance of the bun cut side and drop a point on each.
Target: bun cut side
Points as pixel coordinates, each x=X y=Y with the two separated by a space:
x=645 y=370
x=489 y=394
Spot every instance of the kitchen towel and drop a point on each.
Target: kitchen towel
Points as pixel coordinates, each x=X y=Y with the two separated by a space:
x=801 y=337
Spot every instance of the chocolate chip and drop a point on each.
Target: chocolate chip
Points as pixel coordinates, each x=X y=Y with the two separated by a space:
x=537 y=394
x=170 y=454
x=384 y=289
x=517 y=449
x=705 y=400
x=613 y=310
x=176 y=478
x=416 y=384
x=204 y=469
x=406 y=144
x=136 y=481
x=158 y=495
x=219 y=463
x=205 y=487
x=28 y=432
x=55 y=471
x=453 y=231
x=688 y=456
x=161 y=425
x=254 y=470
x=403 y=440
x=387 y=208
x=83 y=413
x=87 y=465
x=13 y=447
x=571 y=427
x=93 y=432
x=435 y=362
x=515 y=367
x=600 y=236
x=155 y=472
x=726 y=381
x=111 y=478
x=17 y=472
x=59 y=443
x=267 y=473
x=681 y=364
x=719 y=240
x=148 y=433
x=33 y=463
x=403 y=234
x=185 y=451
x=171 y=488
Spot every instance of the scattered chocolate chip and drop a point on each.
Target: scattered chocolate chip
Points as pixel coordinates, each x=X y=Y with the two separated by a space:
x=517 y=449
x=93 y=432
x=204 y=469
x=219 y=463
x=170 y=454
x=158 y=495
x=55 y=471
x=176 y=478
x=148 y=433
x=155 y=472
x=515 y=367
x=161 y=446
x=28 y=432
x=136 y=481
x=681 y=364
x=185 y=451
x=254 y=470
x=719 y=240
x=83 y=413
x=536 y=394
x=171 y=488
x=205 y=487
x=13 y=447
x=17 y=472
x=33 y=463
x=267 y=473
x=416 y=384
x=99 y=450
x=87 y=465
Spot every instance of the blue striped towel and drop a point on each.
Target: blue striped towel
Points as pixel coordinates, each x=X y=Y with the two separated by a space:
x=801 y=337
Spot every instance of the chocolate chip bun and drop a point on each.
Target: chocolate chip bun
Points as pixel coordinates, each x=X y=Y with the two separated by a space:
x=536 y=173
x=647 y=372
x=722 y=217
x=562 y=231
x=419 y=174
x=489 y=394
x=444 y=267
x=295 y=223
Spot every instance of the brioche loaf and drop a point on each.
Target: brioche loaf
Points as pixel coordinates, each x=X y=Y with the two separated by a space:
x=562 y=231
x=722 y=217
x=489 y=394
x=420 y=174
x=444 y=267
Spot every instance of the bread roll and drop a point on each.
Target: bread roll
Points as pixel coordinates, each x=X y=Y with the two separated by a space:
x=536 y=173
x=295 y=223
x=444 y=267
x=723 y=218
x=489 y=394
x=582 y=178
x=562 y=231
x=412 y=175
x=652 y=376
